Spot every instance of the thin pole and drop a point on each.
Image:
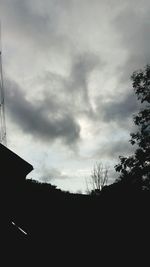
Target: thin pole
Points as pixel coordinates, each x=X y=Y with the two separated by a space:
x=3 y=138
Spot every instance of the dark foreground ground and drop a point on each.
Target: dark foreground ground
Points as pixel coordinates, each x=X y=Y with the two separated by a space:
x=63 y=228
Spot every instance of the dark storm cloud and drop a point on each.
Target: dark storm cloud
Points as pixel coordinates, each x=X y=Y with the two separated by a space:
x=38 y=120
x=117 y=110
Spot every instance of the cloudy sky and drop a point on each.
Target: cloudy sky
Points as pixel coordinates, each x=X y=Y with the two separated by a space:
x=69 y=98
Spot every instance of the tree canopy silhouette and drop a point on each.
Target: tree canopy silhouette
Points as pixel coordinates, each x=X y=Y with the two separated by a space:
x=137 y=167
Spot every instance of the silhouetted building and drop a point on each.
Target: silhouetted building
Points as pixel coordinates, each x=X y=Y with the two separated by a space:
x=12 y=168
x=13 y=171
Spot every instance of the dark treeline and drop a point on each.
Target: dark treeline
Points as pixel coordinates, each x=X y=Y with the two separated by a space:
x=60 y=224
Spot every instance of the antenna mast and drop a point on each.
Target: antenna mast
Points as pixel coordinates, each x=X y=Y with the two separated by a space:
x=3 y=139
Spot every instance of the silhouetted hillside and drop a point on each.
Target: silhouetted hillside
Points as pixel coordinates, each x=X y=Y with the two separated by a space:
x=41 y=221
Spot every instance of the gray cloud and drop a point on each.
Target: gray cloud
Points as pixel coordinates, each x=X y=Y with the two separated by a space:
x=33 y=118
x=82 y=67
x=55 y=115
x=71 y=93
x=133 y=27
x=52 y=174
x=114 y=149
x=37 y=28
x=35 y=22
x=118 y=110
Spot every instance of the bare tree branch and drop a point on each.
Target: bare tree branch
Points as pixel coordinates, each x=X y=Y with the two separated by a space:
x=98 y=178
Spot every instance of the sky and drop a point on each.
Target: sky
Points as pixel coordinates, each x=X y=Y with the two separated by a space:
x=68 y=93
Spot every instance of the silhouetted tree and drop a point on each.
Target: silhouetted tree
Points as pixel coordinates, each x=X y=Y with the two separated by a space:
x=98 y=179
x=136 y=168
